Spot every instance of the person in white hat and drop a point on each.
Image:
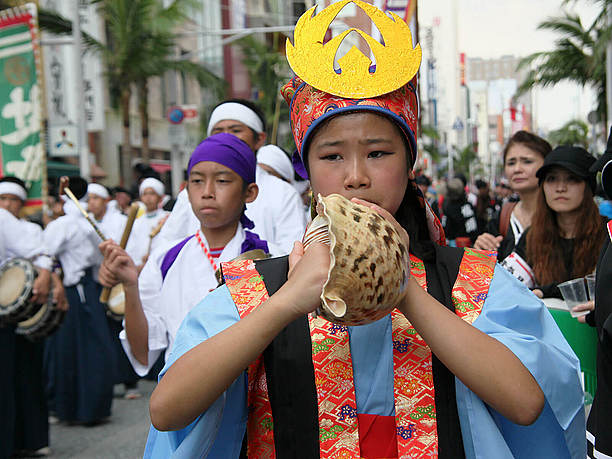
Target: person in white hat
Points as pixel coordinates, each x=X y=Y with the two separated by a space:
x=275 y=161
x=79 y=355
x=277 y=212
x=23 y=409
x=112 y=225
x=141 y=243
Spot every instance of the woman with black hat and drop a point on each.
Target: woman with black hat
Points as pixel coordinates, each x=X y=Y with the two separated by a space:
x=567 y=232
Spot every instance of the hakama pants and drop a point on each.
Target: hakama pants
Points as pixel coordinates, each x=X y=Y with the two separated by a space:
x=23 y=406
x=81 y=360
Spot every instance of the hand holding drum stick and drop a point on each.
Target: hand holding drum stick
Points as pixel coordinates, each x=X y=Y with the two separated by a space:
x=124 y=239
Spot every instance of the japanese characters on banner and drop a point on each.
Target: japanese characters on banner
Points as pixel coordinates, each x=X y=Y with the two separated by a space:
x=21 y=148
x=62 y=102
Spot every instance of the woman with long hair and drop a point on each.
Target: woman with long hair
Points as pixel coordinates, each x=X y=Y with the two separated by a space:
x=523 y=155
x=567 y=232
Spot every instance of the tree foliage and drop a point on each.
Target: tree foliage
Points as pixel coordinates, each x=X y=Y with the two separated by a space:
x=430 y=143
x=574 y=132
x=268 y=71
x=466 y=161
x=579 y=56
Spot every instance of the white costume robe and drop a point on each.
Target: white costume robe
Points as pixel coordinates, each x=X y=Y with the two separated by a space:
x=73 y=241
x=138 y=243
x=166 y=302
x=278 y=214
x=20 y=238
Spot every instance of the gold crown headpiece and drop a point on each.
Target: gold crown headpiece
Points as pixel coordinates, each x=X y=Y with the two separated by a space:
x=397 y=62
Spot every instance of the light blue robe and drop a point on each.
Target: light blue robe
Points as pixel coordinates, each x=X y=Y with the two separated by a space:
x=511 y=314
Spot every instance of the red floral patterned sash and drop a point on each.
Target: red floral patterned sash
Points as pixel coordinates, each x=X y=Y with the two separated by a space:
x=414 y=393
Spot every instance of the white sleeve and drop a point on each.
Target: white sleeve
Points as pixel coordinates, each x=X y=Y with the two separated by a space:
x=149 y=286
x=137 y=242
x=34 y=233
x=289 y=220
x=24 y=239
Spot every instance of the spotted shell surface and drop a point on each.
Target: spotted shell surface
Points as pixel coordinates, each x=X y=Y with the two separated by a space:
x=369 y=262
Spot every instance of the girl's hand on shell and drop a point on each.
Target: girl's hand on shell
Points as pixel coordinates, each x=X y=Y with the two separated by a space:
x=307 y=274
x=387 y=216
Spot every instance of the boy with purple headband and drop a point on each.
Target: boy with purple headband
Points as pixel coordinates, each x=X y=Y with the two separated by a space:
x=221 y=180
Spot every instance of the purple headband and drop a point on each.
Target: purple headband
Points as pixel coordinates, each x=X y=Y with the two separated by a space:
x=229 y=151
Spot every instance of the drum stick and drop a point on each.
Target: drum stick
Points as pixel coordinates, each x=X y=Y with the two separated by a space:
x=124 y=239
x=64 y=189
x=155 y=231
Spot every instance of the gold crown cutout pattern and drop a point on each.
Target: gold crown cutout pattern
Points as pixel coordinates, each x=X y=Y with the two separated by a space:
x=396 y=61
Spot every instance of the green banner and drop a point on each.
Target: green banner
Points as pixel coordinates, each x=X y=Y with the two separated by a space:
x=21 y=149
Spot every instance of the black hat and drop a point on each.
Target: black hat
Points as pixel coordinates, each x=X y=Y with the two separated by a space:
x=575 y=159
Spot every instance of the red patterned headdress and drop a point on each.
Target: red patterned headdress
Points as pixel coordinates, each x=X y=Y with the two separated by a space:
x=309 y=107
x=319 y=91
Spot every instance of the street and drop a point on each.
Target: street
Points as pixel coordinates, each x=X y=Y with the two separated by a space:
x=124 y=436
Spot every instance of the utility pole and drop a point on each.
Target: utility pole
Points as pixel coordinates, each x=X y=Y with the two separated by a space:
x=82 y=144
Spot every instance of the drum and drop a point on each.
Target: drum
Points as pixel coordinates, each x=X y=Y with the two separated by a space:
x=17 y=277
x=45 y=321
x=115 y=306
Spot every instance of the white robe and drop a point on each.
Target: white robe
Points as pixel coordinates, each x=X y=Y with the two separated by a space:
x=72 y=240
x=138 y=243
x=20 y=238
x=166 y=302
x=278 y=214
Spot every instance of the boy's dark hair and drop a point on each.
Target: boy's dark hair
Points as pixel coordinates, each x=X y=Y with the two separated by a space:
x=480 y=184
x=16 y=180
x=78 y=186
x=249 y=104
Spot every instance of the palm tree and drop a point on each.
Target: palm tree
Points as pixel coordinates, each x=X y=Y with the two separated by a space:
x=574 y=132
x=579 y=56
x=141 y=45
x=268 y=70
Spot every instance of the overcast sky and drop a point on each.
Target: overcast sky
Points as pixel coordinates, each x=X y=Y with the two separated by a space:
x=492 y=28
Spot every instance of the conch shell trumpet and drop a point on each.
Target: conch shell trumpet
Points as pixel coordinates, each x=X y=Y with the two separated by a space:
x=369 y=262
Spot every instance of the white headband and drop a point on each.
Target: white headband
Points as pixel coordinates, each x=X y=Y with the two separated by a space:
x=98 y=190
x=14 y=189
x=151 y=182
x=237 y=112
x=273 y=156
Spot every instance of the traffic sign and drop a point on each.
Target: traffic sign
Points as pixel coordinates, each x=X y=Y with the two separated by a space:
x=175 y=115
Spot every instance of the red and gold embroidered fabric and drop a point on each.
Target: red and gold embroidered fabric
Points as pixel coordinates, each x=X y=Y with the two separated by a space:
x=249 y=291
x=414 y=391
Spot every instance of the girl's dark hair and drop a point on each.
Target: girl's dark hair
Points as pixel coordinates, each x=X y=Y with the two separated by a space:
x=411 y=215
x=531 y=141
